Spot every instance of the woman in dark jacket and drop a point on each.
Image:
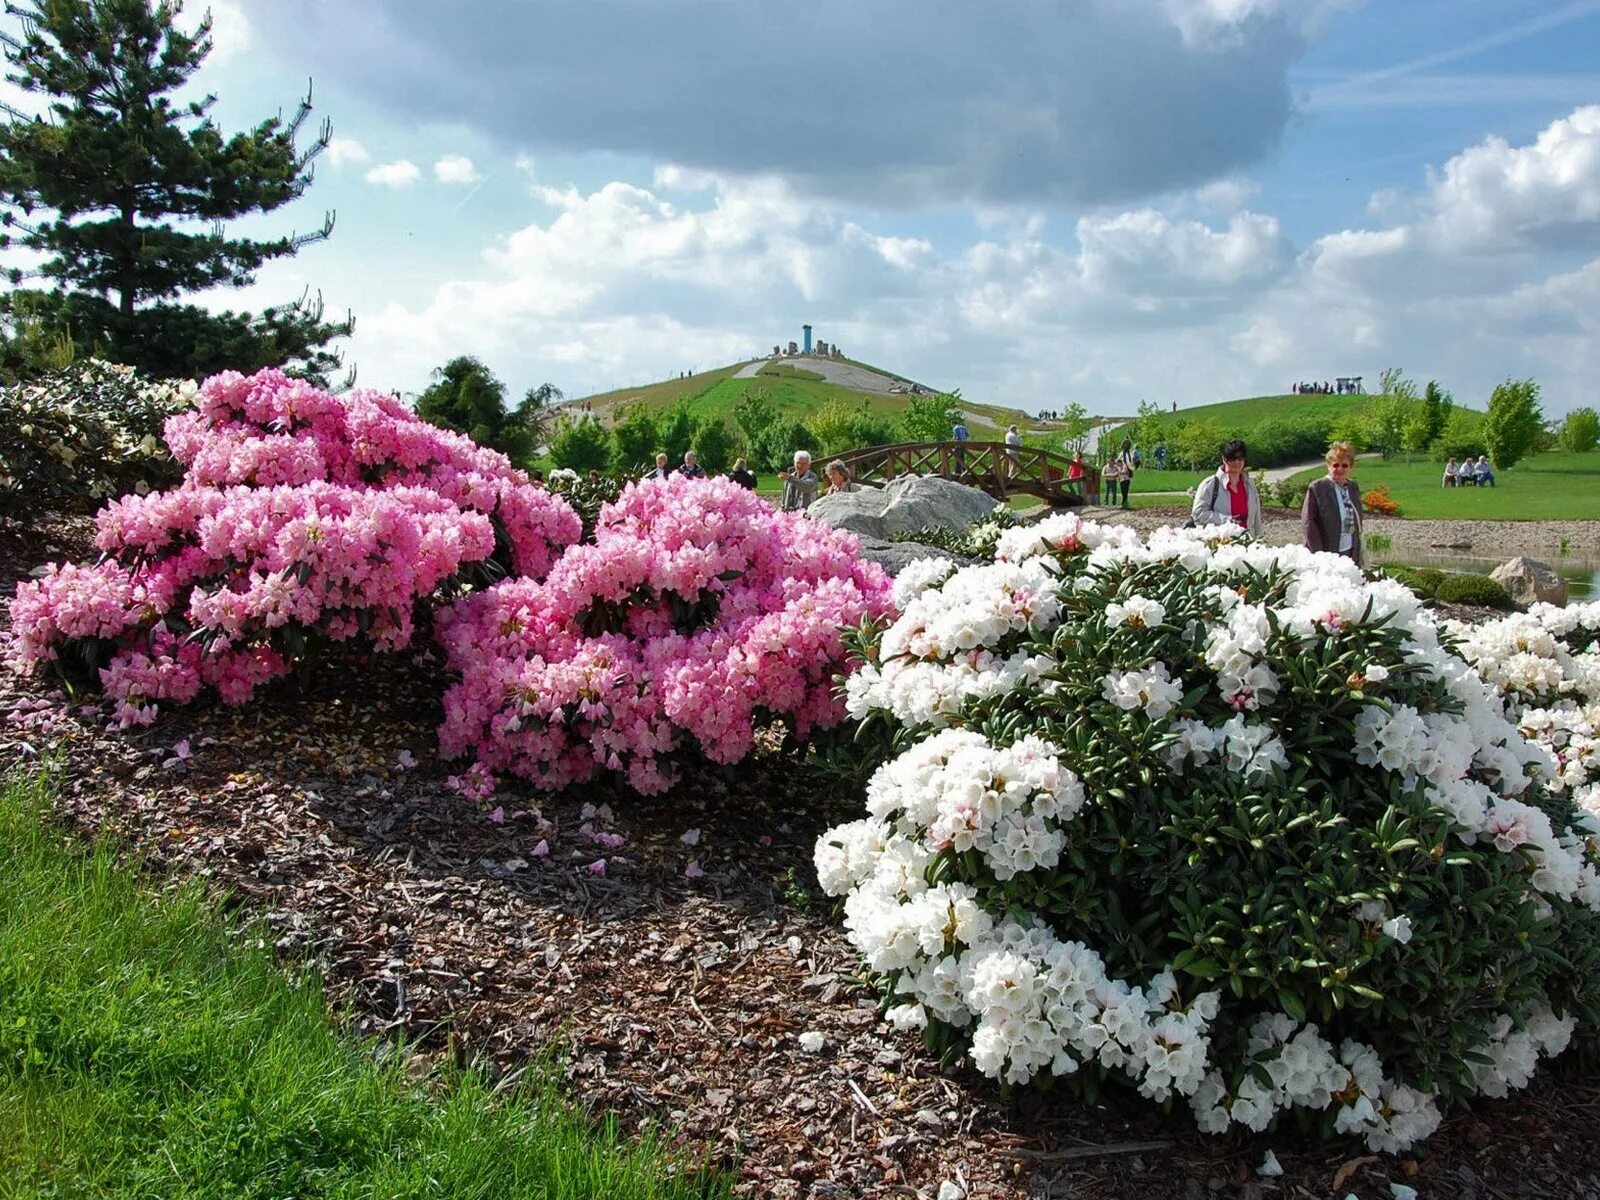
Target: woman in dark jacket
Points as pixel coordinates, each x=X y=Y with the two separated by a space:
x=1331 y=517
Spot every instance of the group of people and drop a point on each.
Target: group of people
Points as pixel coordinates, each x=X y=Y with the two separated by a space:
x=1468 y=473
x=1330 y=518
x=801 y=485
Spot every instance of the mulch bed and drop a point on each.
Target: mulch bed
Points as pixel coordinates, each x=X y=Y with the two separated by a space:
x=672 y=1000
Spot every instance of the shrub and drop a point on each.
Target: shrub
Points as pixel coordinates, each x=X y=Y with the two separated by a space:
x=1514 y=422
x=1474 y=589
x=698 y=613
x=1380 y=503
x=1461 y=436
x=1290 y=493
x=580 y=443
x=636 y=440
x=1580 y=431
x=1226 y=821
x=302 y=518
x=978 y=541
x=1424 y=581
x=81 y=434
x=587 y=498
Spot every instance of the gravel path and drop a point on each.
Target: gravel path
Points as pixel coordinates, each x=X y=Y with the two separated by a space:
x=844 y=374
x=1552 y=541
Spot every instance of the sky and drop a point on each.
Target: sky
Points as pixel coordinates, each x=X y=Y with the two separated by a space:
x=1035 y=201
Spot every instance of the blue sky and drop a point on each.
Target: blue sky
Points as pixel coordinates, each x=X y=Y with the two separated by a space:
x=1180 y=200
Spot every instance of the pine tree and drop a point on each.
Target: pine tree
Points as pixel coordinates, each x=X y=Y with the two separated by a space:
x=126 y=192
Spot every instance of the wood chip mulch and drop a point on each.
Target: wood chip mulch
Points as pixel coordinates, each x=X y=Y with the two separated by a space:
x=673 y=989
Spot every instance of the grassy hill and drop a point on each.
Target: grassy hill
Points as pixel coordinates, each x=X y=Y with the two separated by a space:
x=1253 y=410
x=795 y=394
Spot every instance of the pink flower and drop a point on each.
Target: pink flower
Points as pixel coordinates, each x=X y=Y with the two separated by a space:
x=597 y=867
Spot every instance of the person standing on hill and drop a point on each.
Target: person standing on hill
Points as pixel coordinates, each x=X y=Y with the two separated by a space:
x=1330 y=519
x=1229 y=496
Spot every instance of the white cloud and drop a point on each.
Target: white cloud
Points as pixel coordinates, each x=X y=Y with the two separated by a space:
x=399 y=174
x=1146 y=254
x=1226 y=196
x=455 y=168
x=347 y=150
x=1495 y=195
x=230 y=29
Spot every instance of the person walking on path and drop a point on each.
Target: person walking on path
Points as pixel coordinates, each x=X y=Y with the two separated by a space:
x=799 y=485
x=1330 y=519
x=959 y=434
x=1013 y=441
x=1229 y=495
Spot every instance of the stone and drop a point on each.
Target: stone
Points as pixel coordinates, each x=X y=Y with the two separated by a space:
x=905 y=506
x=1529 y=580
x=894 y=556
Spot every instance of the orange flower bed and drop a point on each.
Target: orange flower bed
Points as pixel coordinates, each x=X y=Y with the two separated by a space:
x=1379 y=502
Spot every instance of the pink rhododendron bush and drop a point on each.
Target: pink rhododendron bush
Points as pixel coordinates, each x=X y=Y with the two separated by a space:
x=1226 y=822
x=697 y=614
x=301 y=516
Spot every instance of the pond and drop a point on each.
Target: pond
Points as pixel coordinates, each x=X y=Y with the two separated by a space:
x=1582 y=574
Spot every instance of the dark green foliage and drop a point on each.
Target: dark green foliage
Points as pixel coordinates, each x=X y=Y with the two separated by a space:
x=636 y=441
x=1514 y=422
x=586 y=499
x=714 y=443
x=1474 y=589
x=581 y=444
x=1424 y=581
x=977 y=541
x=83 y=435
x=110 y=185
x=1580 y=431
x=465 y=396
x=1436 y=406
x=678 y=429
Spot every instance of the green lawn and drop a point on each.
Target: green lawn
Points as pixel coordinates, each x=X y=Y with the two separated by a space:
x=148 y=1050
x=1554 y=486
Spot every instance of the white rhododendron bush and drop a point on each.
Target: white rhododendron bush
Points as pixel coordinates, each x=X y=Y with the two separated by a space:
x=1227 y=822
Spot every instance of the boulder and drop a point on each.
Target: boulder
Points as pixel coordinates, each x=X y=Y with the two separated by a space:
x=894 y=556
x=1528 y=580
x=905 y=506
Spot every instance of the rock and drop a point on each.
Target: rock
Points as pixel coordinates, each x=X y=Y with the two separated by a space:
x=893 y=556
x=1528 y=580
x=905 y=506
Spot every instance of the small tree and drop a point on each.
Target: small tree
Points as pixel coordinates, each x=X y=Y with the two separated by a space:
x=1075 y=424
x=715 y=443
x=754 y=412
x=635 y=440
x=835 y=427
x=124 y=194
x=1385 y=416
x=1513 y=422
x=1580 y=431
x=1436 y=405
x=931 y=418
x=534 y=413
x=678 y=430
x=1149 y=428
x=1462 y=435
x=581 y=444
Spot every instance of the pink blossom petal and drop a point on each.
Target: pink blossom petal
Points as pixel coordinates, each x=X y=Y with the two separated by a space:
x=597 y=867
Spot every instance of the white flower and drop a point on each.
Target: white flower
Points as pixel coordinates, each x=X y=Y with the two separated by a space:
x=1399 y=928
x=811 y=1042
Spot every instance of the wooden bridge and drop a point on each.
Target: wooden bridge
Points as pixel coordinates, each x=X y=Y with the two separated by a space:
x=998 y=469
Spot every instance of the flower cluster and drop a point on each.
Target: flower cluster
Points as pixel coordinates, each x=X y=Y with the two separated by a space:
x=1546 y=665
x=1229 y=821
x=696 y=612
x=301 y=515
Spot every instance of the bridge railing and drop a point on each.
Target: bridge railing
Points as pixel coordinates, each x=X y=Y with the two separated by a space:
x=997 y=468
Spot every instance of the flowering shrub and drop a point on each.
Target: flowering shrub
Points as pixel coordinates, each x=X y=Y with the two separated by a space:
x=1379 y=503
x=1224 y=820
x=696 y=612
x=82 y=434
x=1545 y=663
x=977 y=541
x=301 y=516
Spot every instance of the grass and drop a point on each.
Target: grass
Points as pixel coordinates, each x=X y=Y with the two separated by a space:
x=148 y=1050
x=1546 y=487
x=1252 y=410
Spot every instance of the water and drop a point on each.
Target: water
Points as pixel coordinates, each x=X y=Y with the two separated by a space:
x=1582 y=574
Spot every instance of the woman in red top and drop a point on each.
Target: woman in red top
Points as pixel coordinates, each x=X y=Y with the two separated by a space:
x=1075 y=473
x=1229 y=496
